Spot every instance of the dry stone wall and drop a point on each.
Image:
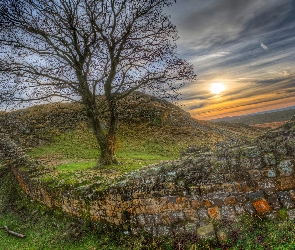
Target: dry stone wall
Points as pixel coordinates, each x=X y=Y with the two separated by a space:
x=191 y=194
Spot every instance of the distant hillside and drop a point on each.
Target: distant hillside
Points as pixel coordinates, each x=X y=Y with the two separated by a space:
x=270 y=117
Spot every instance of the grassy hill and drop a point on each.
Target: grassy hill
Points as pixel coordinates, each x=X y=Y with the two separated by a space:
x=149 y=129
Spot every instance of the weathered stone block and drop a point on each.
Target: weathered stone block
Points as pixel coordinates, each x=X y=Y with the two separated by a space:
x=256 y=162
x=148 y=201
x=228 y=212
x=141 y=220
x=253 y=185
x=217 y=178
x=190 y=227
x=149 y=219
x=206 y=232
x=286 y=183
x=191 y=214
x=207 y=203
x=217 y=201
x=234 y=165
x=205 y=189
x=148 y=229
x=274 y=202
x=230 y=200
x=240 y=209
x=256 y=195
x=270 y=173
x=241 y=187
x=261 y=206
x=292 y=194
x=266 y=184
x=171 y=206
x=281 y=149
x=176 y=217
x=171 y=199
x=169 y=185
x=291 y=214
x=255 y=175
x=291 y=145
x=241 y=198
x=194 y=190
x=286 y=168
x=203 y=215
x=270 y=192
x=272 y=215
x=246 y=163
x=162 y=201
x=196 y=204
x=242 y=176
x=222 y=235
x=164 y=230
x=265 y=146
x=180 y=200
x=228 y=188
x=214 y=212
x=251 y=152
x=269 y=159
x=217 y=188
x=285 y=199
x=170 y=176
x=229 y=177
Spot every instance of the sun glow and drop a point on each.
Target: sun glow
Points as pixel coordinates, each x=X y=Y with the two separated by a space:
x=217 y=88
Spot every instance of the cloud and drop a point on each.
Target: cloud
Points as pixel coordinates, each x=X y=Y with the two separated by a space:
x=263 y=46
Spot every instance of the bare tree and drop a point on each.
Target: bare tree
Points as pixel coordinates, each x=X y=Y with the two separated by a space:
x=78 y=49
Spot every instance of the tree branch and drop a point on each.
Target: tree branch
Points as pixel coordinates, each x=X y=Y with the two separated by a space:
x=12 y=233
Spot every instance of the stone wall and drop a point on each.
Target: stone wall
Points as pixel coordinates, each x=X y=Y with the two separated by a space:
x=188 y=195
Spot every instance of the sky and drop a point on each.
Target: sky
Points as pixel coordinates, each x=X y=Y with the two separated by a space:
x=247 y=45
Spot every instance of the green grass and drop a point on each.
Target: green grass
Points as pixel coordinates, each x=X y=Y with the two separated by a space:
x=81 y=144
x=137 y=145
x=76 y=151
x=265 y=234
x=49 y=233
x=76 y=166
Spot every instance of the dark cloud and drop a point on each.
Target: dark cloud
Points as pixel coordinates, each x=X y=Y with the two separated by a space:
x=283 y=82
x=216 y=21
x=275 y=15
x=193 y=107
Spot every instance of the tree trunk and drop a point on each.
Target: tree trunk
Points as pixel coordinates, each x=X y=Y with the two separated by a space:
x=107 y=155
x=106 y=141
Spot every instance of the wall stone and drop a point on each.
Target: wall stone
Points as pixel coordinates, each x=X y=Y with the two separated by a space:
x=189 y=194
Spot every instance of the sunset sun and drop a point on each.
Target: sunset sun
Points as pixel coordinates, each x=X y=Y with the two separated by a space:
x=217 y=88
